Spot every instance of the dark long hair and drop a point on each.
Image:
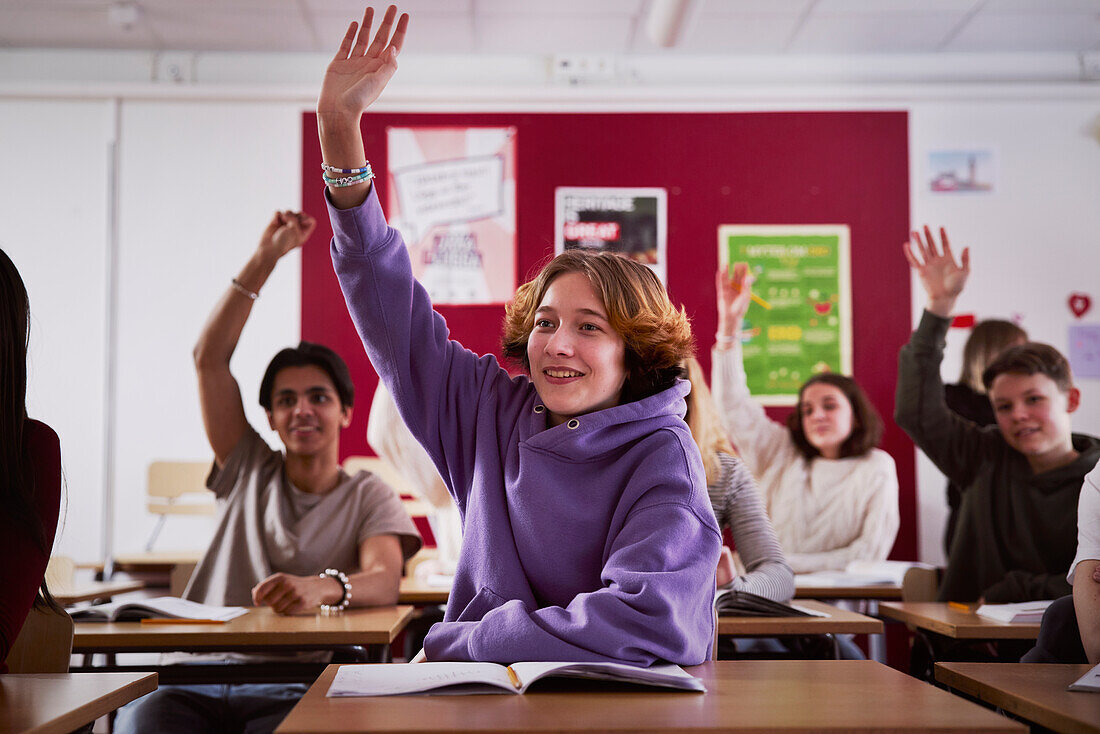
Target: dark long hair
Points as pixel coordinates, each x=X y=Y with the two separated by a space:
x=17 y=488
x=866 y=423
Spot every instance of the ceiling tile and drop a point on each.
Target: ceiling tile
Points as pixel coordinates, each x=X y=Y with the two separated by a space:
x=890 y=7
x=710 y=8
x=427 y=34
x=550 y=35
x=1020 y=32
x=734 y=35
x=205 y=29
x=85 y=27
x=1041 y=7
x=574 y=9
x=415 y=8
x=887 y=33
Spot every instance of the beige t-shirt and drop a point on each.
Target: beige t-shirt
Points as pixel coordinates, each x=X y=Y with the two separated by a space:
x=268 y=526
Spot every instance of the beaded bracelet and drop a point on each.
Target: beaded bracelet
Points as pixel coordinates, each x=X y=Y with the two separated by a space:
x=333 y=169
x=723 y=340
x=348 y=180
x=253 y=295
x=345 y=596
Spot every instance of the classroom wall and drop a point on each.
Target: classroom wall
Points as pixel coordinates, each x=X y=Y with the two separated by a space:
x=199 y=174
x=1032 y=242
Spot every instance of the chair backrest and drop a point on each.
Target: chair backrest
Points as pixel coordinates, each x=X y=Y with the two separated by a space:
x=168 y=481
x=921 y=584
x=59 y=572
x=384 y=471
x=44 y=644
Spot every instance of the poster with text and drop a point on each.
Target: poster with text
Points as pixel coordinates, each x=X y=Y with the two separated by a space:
x=803 y=273
x=452 y=195
x=630 y=221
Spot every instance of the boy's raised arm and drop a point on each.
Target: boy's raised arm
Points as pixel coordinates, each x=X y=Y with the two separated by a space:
x=219 y=394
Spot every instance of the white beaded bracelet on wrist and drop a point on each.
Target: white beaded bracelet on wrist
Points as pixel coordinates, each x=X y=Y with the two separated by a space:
x=345 y=596
x=252 y=295
x=722 y=340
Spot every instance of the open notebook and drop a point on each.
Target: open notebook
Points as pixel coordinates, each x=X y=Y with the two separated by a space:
x=393 y=679
x=161 y=607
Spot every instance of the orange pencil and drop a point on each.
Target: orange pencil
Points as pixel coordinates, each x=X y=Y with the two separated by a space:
x=158 y=620
x=959 y=605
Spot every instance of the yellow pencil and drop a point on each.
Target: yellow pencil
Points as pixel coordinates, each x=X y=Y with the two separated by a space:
x=755 y=298
x=959 y=605
x=158 y=620
x=514 y=678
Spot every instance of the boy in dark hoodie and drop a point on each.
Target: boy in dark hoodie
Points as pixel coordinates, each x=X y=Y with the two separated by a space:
x=1021 y=479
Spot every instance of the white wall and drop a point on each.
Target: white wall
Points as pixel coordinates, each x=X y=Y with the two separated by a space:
x=54 y=168
x=1032 y=242
x=200 y=171
x=199 y=181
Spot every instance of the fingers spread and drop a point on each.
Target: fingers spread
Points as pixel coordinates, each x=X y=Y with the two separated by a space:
x=383 y=34
x=398 y=39
x=908 y=250
x=364 y=36
x=345 y=45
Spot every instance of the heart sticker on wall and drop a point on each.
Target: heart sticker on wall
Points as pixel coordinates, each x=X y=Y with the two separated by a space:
x=1079 y=303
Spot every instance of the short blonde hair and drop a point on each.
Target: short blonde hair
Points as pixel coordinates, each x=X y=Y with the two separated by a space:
x=702 y=419
x=657 y=334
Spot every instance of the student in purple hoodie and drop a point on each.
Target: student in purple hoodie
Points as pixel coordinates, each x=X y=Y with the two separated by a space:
x=588 y=535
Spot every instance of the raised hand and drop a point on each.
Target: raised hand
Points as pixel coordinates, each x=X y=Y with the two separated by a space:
x=943 y=278
x=359 y=72
x=734 y=296
x=286 y=231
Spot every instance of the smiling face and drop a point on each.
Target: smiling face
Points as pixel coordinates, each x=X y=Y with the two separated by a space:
x=827 y=419
x=578 y=362
x=306 y=411
x=1034 y=417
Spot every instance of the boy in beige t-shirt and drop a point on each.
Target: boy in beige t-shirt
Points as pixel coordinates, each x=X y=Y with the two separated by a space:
x=288 y=517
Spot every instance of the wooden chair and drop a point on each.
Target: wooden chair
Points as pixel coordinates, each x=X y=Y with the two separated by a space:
x=59 y=572
x=44 y=644
x=921 y=584
x=385 y=471
x=177 y=488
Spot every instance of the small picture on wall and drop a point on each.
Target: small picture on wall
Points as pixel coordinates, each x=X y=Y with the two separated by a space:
x=452 y=194
x=630 y=221
x=1084 y=350
x=961 y=172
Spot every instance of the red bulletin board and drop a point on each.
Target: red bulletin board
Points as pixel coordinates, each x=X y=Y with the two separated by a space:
x=719 y=168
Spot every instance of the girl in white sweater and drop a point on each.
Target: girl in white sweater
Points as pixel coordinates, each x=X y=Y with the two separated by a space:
x=831 y=495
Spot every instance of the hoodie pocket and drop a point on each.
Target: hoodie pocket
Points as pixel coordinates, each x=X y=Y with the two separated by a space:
x=485 y=601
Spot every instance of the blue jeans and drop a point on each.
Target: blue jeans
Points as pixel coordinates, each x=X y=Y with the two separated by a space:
x=240 y=708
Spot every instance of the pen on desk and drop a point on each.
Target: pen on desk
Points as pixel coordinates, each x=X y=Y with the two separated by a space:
x=158 y=620
x=960 y=606
x=514 y=678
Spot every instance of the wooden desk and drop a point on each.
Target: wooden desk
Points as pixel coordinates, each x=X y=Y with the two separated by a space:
x=877 y=591
x=155 y=561
x=413 y=591
x=788 y=696
x=94 y=590
x=1033 y=692
x=839 y=622
x=260 y=630
x=58 y=703
x=955 y=623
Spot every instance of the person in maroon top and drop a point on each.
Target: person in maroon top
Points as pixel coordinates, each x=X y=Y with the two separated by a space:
x=30 y=484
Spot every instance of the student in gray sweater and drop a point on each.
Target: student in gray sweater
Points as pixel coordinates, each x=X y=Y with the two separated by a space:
x=1021 y=478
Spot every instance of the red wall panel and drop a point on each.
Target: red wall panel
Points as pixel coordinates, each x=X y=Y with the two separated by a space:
x=719 y=168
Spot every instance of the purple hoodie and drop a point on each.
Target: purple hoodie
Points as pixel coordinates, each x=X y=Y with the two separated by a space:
x=589 y=541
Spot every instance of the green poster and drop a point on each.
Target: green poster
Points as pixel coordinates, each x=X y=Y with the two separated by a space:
x=802 y=272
